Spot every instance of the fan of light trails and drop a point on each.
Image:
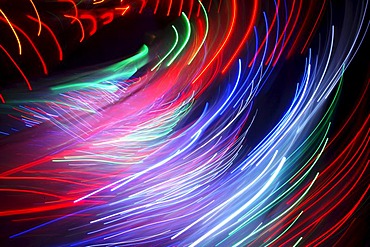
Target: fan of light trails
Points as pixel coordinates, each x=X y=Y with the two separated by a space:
x=158 y=149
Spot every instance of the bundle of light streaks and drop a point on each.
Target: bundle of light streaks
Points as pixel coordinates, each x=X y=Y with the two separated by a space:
x=156 y=149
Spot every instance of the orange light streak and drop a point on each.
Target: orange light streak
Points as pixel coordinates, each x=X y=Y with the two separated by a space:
x=16 y=36
x=80 y=23
x=38 y=17
x=52 y=35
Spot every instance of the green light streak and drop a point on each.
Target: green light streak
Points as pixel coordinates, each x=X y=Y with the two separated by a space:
x=120 y=71
x=147 y=133
x=325 y=119
x=81 y=85
x=188 y=32
x=170 y=51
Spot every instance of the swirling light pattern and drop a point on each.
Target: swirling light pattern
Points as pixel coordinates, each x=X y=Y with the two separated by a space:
x=221 y=129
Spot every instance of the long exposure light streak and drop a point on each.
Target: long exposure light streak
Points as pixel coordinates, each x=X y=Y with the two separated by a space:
x=184 y=123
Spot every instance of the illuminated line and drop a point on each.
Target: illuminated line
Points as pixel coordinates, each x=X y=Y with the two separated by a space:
x=18 y=68
x=170 y=51
x=16 y=36
x=185 y=42
x=80 y=23
x=38 y=17
x=205 y=35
